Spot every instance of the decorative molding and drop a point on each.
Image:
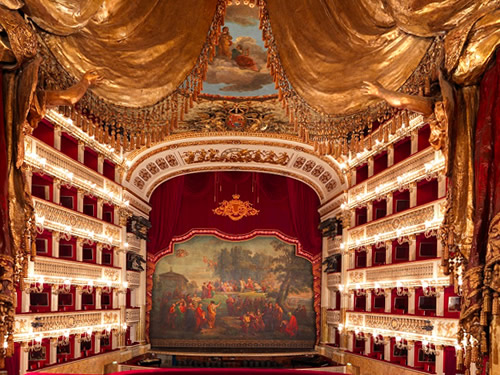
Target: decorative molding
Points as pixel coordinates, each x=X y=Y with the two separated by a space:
x=333 y=317
x=152 y=167
x=235 y=155
x=333 y=279
x=133 y=278
x=333 y=245
x=132 y=315
x=435 y=330
x=411 y=273
x=58 y=218
x=55 y=324
x=55 y=270
x=417 y=167
x=414 y=220
x=68 y=171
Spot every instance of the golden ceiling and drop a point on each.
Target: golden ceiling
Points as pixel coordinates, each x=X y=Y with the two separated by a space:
x=154 y=54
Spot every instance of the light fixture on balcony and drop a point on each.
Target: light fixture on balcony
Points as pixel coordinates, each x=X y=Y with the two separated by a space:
x=378 y=291
x=123 y=289
x=377 y=339
x=360 y=292
x=360 y=336
x=63 y=340
x=63 y=288
x=39 y=221
x=428 y=348
x=428 y=290
x=107 y=288
x=340 y=328
x=401 y=290
x=400 y=343
x=36 y=287
x=66 y=234
x=123 y=329
x=89 y=288
x=36 y=344
x=87 y=336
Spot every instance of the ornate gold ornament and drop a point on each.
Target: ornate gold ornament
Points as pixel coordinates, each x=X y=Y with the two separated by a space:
x=238 y=155
x=235 y=209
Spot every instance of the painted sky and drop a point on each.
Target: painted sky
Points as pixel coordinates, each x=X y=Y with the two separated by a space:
x=208 y=247
x=225 y=77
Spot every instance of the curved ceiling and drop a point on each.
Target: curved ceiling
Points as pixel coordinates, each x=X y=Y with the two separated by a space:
x=156 y=57
x=235 y=152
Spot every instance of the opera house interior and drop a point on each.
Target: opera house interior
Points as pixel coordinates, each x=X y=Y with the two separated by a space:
x=147 y=148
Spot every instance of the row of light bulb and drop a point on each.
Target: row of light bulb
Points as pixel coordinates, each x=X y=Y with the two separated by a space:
x=365 y=154
x=431 y=167
x=68 y=124
x=398 y=233
x=41 y=221
x=64 y=174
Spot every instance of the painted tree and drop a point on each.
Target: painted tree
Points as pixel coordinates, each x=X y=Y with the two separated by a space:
x=293 y=272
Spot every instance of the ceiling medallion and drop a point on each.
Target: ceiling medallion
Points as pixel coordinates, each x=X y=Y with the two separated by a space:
x=235 y=209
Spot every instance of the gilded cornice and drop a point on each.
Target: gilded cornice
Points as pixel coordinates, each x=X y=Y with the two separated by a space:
x=331 y=163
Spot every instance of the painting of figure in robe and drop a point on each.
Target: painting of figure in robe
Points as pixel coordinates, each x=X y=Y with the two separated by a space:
x=239 y=67
x=221 y=293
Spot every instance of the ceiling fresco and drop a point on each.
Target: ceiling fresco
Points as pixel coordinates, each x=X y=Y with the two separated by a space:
x=239 y=67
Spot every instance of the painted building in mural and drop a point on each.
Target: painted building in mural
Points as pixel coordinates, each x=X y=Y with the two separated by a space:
x=213 y=292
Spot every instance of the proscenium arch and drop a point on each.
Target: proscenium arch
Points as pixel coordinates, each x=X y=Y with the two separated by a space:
x=281 y=155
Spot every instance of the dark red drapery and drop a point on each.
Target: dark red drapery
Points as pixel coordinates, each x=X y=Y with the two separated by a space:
x=185 y=203
x=487 y=160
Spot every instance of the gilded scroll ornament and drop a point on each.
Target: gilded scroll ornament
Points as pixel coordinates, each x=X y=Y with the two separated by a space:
x=235 y=209
x=235 y=155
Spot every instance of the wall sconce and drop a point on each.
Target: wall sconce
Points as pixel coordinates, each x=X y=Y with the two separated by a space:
x=401 y=290
x=63 y=288
x=428 y=348
x=401 y=344
x=36 y=344
x=360 y=336
x=89 y=288
x=378 y=291
x=36 y=287
x=107 y=288
x=377 y=339
x=124 y=288
x=64 y=339
x=428 y=290
x=360 y=292
x=123 y=329
x=39 y=221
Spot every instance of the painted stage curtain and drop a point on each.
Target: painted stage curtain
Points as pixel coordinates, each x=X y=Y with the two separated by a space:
x=186 y=203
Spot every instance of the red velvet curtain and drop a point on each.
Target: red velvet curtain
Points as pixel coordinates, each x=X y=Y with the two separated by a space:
x=487 y=160
x=186 y=203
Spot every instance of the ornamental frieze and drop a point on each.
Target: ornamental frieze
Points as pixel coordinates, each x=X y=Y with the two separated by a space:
x=236 y=155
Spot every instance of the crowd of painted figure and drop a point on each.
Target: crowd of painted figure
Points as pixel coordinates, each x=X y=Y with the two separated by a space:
x=258 y=314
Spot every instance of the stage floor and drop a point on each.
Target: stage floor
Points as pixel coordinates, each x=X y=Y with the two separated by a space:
x=279 y=359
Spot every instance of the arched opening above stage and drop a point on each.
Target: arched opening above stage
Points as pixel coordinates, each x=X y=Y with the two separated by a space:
x=258 y=260
x=149 y=168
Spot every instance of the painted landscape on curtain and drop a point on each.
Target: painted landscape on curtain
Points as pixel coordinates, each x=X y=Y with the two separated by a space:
x=212 y=292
